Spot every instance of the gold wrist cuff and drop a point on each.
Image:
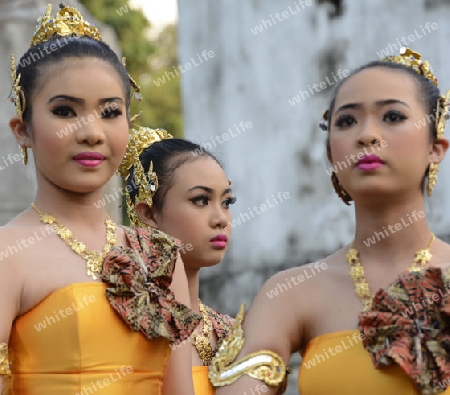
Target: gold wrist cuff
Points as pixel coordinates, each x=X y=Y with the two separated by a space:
x=5 y=368
x=264 y=365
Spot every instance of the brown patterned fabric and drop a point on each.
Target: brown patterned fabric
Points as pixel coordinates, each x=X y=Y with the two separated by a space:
x=138 y=279
x=221 y=324
x=410 y=325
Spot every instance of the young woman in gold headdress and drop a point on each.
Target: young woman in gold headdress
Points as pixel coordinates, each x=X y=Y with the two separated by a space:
x=180 y=188
x=386 y=120
x=78 y=315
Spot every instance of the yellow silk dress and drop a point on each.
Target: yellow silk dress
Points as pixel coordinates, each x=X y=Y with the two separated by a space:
x=74 y=343
x=348 y=369
x=108 y=338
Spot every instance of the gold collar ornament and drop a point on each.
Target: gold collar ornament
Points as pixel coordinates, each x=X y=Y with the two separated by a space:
x=203 y=342
x=140 y=139
x=94 y=259
x=358 y=276
x=264 y=365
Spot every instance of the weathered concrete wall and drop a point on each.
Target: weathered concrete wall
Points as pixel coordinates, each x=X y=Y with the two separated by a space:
x=251 y=78
x=17 y=24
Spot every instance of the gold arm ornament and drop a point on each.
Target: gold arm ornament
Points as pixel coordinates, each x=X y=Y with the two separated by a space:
x=5 y=370
x=264 y=365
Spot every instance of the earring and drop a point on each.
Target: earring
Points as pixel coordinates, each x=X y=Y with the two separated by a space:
x=341 y=192
x=24 y=154
x=432 y=177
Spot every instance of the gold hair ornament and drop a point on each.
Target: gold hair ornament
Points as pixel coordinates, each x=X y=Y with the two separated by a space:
x=68 y=21
x=413 y=60
x=140 y=139
x=17 y=96
x=264 y=365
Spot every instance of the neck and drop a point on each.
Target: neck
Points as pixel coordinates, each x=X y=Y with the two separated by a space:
x=193 y=278
x=392 y=232
x=69 y=207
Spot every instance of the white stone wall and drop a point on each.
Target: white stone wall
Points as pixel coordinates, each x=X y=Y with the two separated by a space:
x=17 y=24
x=251 y=78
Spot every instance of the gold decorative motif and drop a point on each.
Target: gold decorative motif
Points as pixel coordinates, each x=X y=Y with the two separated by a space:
x=432 y=177
x=17 y=95
x=413 y=60
x=24 y=151
x=5 y=367
x=203 y=342
x=140 y=139
x=358 y=276
x=67 y=22
x=94 y=259
x=263 y=365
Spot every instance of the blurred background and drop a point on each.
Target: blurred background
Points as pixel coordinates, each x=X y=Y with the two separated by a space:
x=249 y=80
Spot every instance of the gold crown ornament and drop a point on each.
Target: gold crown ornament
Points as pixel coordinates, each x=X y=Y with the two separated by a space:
x=140 y=139
x=67 y=22
x=413 y=60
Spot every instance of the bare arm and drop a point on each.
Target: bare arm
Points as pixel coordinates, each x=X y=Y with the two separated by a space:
x=271 y=324
x=178 y=374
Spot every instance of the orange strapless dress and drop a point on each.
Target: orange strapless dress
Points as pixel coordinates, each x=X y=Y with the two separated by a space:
x=73 y=342
x=202 y=386
x=337 y=363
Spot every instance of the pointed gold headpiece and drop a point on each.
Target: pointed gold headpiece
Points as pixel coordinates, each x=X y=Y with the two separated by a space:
x=413 y=60
x=140 y=139
x=67 y=22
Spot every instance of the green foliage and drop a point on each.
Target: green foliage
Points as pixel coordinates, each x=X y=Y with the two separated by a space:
x=147 y=60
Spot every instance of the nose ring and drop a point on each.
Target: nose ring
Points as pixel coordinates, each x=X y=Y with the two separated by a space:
x=374 y=142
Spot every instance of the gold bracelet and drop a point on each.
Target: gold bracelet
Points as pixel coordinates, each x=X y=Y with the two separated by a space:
x=5 y=368
x=264 y=365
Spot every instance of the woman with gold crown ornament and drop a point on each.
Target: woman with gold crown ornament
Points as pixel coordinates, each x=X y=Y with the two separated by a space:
x=78 y=315
x=354 y=339
x=180 y=188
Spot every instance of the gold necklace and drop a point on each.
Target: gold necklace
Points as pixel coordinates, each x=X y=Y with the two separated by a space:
x=202 y=342
x=359 y=278
x=94 y=259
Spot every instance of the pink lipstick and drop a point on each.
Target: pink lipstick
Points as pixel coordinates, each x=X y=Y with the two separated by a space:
x=369 y=162
x=89 y=159
x=220 y=241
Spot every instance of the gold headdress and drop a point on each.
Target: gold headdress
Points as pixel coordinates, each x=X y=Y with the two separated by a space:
x=414 y=61
x=140 y=139
x=67 y=22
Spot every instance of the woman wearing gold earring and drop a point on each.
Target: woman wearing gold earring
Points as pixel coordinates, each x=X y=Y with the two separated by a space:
x=86 y=305
x=374 y=317
x=180 y=188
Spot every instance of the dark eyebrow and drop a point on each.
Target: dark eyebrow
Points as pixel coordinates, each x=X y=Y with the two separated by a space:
x=66 y=97
x=380 y=103
x=206 y=189
x=80 y=101
x=209 y=190
x=228 y=190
